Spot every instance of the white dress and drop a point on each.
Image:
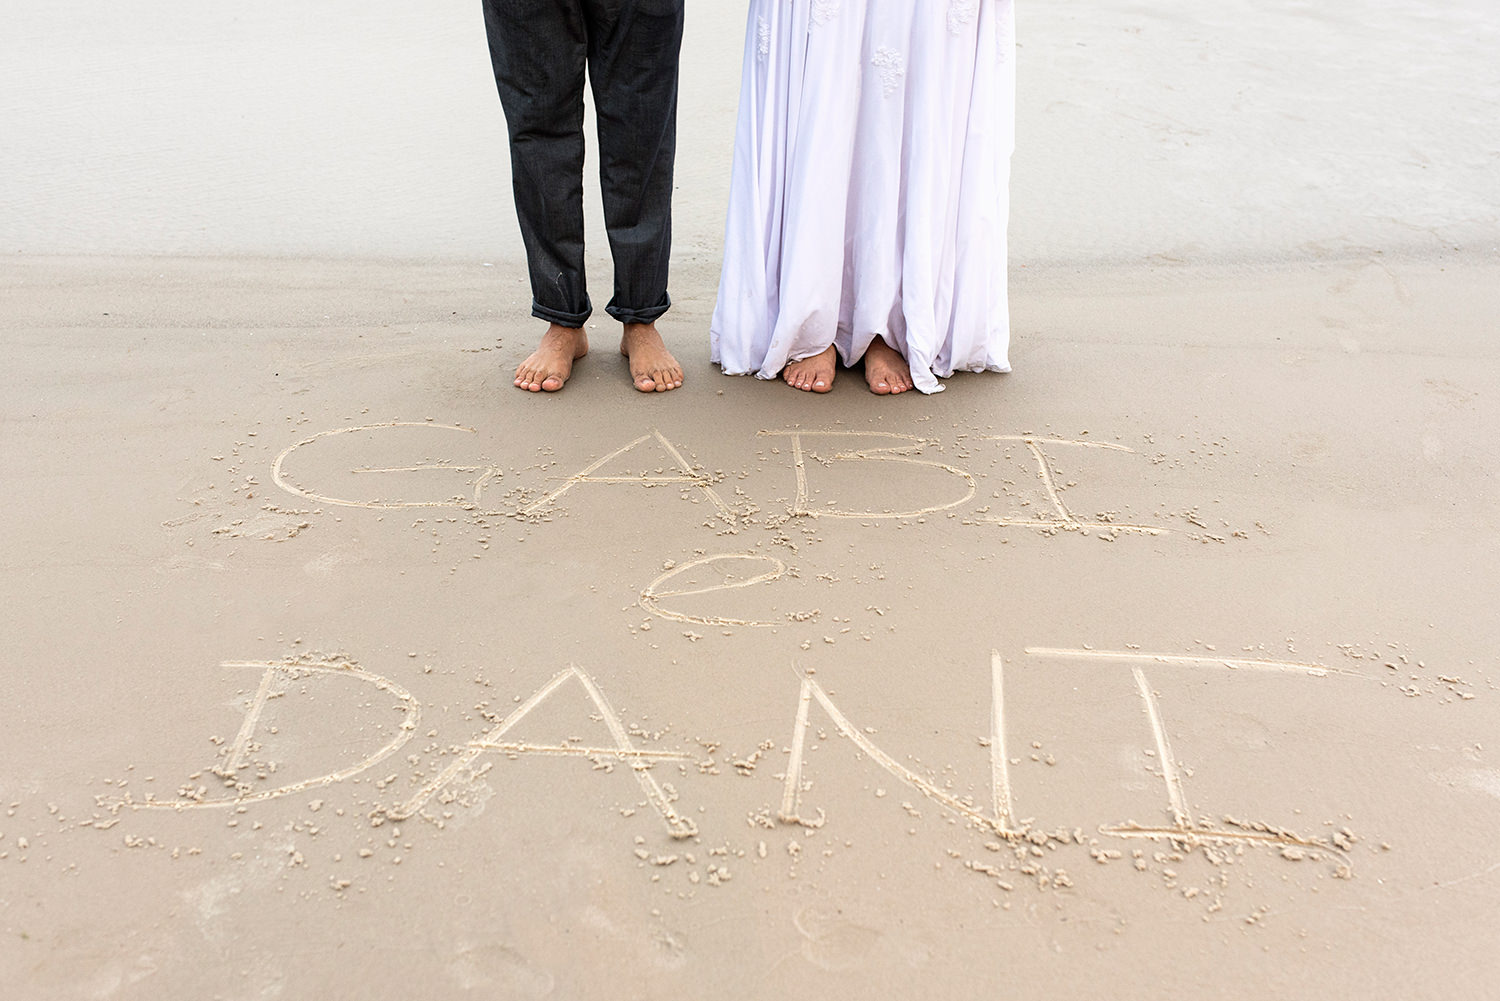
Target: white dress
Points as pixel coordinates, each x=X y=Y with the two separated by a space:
x=870 y=186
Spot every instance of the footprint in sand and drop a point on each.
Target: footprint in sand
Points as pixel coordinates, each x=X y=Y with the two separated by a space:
x=831 y=943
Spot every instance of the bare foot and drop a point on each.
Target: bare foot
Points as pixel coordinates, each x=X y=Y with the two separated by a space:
x=812 y=375
x=885 y=370
x=551 y=363
x=652 y=367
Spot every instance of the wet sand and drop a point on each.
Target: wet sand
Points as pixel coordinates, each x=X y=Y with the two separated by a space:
x=339 y=667
x=1268 y=491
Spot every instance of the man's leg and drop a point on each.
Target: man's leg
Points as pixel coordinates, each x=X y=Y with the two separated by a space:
x=633 y=55
x=538 y=49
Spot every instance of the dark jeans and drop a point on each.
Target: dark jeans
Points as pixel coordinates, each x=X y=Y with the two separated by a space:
x=540 y=49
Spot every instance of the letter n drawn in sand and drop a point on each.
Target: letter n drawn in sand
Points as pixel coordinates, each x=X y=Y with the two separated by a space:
x=273 y=675
x=998 y=819
x=908 y=447
x=1062 y=518
x=623 y=750
x=1183 y=830
x=685 y=474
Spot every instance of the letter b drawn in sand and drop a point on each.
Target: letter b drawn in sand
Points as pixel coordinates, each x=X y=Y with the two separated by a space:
x=908 y=447
x=1061 y=518
x=640 y=761
x=482 y=474
x=274 y=679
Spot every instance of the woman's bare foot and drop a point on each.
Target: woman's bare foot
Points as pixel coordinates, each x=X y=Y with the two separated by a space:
x=652 y=367
x=812 y=375
x=885 y=370
x=551 y=363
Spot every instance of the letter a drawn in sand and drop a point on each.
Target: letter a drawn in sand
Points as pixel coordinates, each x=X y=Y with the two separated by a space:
x=686 y=474
x=910 y=446
x=235 y=756
x=623 y=750
x=1063 y=518
x=998 y=819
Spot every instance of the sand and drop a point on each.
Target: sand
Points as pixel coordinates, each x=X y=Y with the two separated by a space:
x=338 y=667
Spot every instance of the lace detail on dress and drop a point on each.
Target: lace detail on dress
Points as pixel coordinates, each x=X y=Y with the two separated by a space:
x=763 y=38
x=1004 y=42
x=824 y=11
x=961 y=13
x=892 y=66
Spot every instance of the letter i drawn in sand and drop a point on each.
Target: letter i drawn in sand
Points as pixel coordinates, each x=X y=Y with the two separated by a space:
x=1184 y=830
x=1063 y=518
x=639 y=761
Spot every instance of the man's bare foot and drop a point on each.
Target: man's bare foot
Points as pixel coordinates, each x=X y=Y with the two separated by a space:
x=812 y=375
x=885 y=370
x=652 y=367
x=551 y=363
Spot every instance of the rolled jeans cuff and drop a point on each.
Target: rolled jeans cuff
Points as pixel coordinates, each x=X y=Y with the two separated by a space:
x=649 y=315
x=559 y=317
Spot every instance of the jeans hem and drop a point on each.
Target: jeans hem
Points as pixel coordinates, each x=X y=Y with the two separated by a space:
x=559 y=317
x=649 y=315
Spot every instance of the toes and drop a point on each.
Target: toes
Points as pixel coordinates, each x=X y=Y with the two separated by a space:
x=536 y=380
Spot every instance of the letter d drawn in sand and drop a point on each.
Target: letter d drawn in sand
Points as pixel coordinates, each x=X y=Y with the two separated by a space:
x=236 y=757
